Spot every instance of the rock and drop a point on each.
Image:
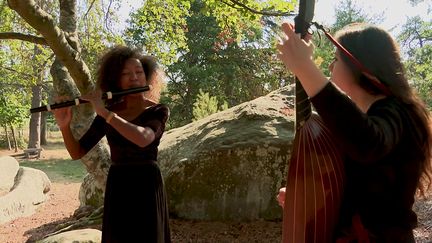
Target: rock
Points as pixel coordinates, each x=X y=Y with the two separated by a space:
x=29 y=190
x=8 y=169
x=231 y=164
x=75 y=236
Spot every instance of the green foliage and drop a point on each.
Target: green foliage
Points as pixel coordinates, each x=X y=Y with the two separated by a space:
x=14 y=98
x=416 y=40
x=206 y=105
x=214 y=60
x=6 y=17
x=22 y=65
x=13 y=111
x=346 y=12
x=95 y=36
x=11 y=22
x=416 y=33
x=159 y=28
x=235 y=16
x=20 y=141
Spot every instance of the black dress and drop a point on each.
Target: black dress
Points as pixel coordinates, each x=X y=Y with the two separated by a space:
x=135 y=205
x=382 y=165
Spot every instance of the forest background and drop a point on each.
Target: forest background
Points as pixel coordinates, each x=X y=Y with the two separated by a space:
x=216 y=54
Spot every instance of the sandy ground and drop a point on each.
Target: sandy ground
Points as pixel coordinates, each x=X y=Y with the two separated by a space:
x=62 y=202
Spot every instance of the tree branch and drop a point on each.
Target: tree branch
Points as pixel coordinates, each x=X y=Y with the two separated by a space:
x=266 y=13
x=88 y=10
x=23 y=37
x=107 y=16
x=57 y=39
x=18 y=72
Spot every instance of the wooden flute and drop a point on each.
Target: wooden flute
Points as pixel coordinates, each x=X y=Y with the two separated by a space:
x=77 y=101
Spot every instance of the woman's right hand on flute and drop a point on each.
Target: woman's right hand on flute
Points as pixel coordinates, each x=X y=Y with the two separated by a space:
x=63 y=117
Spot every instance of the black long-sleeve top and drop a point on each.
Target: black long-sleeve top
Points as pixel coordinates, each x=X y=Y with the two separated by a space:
x=382 y=159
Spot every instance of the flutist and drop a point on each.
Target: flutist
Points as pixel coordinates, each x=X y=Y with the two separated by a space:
x=135 y=208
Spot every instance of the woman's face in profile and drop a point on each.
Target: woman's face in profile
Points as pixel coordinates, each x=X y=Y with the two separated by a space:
x=132 y=74
x=341 y=74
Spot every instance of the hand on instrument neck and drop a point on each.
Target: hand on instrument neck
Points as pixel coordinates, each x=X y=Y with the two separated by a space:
x=295 y=53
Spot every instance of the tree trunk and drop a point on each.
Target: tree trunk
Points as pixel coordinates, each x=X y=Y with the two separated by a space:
x=43 y=133
x=14 y=138
x=7 y=138
x=61 y=36
x=35 y=119
x=97 y=161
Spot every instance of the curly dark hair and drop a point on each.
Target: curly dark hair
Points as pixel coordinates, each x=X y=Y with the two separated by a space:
x=112 y=63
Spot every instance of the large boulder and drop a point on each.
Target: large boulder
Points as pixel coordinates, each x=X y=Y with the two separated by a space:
x=28 y=192
x=8 y=170
x=231 y=164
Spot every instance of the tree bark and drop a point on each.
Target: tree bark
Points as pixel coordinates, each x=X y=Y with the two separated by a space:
x=43 y=133
x=7 y=138
x=35 y=119
x=14 y=139
x=70 y=77
x=62 y=39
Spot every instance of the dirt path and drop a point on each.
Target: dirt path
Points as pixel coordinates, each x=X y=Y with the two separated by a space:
x=63 y=200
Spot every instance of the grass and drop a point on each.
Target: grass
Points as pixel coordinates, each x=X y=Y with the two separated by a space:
x=59 y=170
x=58 y=166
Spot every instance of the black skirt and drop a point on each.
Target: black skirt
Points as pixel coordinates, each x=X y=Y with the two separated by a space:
x=135 y=206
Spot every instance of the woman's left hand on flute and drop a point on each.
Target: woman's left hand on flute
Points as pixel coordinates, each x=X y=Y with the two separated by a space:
x=63 y=117
x=95 y=99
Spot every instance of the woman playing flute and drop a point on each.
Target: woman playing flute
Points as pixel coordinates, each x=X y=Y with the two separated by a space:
x=135 y=207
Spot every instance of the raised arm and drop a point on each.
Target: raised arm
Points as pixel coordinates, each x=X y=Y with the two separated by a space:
x=63 y=118
x=141 y=136
x=296 y=54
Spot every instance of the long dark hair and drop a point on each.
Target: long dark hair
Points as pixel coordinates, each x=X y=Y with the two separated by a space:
x=111 y=65
x=379 y=53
